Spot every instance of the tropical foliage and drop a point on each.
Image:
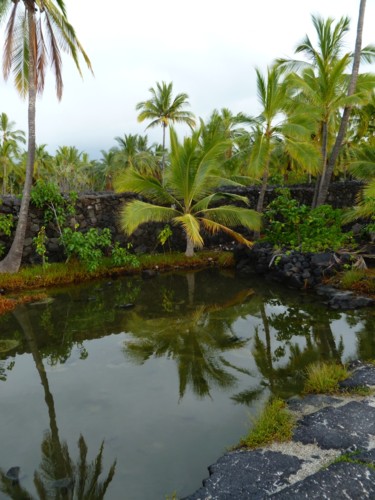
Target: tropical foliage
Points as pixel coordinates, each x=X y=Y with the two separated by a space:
x=298 y=135
x=186 y=194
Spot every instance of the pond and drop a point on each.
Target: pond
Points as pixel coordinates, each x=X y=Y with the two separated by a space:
x=138 y=385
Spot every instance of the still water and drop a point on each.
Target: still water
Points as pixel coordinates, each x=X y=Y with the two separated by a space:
x=134 y=387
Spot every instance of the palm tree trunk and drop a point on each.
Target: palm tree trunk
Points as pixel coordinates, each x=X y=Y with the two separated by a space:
x=189 y=247
x=320 y=178
x=23 y=319
x=262 y=194
x=163 y=157
x=12 y=261
x=323 y=191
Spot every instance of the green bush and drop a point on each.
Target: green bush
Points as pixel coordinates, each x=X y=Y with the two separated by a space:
x=121 y=256
x=6 y=225
x=298 y=227
x=56 y=207
x=86 y=246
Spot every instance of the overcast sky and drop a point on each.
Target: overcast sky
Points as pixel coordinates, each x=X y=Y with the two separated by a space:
x=207 y=48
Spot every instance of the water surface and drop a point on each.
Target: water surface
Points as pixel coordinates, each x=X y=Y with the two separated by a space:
x=160 y=389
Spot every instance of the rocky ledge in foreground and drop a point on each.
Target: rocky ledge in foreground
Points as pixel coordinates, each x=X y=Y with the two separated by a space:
x=331 y=455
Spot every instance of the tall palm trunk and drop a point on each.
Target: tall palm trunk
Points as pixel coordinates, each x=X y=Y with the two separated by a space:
x=163 y=157
x=324 y=153
x=323 y=191
x=12 y=261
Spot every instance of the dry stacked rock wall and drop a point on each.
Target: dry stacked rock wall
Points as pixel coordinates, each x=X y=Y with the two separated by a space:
x=100 y=210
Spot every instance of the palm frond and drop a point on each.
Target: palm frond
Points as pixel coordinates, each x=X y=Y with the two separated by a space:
x=191 y=228
x=232 y=216
x=204 y=203
x=137 y=212
x=214 y=227
x=147 y=185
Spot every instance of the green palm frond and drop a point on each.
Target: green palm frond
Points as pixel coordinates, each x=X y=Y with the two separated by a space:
x=214 y=227
x=305 y=153
x=365 y=207
x=232 y=216
x=259 y=154
x=204 y=203
x=363 y=169
x=191 y=227
x=147 y=185
x=138 y=212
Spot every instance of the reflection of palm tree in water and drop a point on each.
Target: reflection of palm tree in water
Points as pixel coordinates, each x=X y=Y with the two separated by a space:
x=58 y=477
x=320 y=344
x=193 y=340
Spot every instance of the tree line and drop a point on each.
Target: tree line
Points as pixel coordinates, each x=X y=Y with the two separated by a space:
x=316 y=121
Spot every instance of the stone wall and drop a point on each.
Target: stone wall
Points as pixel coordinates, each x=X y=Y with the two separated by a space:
x=102 y=210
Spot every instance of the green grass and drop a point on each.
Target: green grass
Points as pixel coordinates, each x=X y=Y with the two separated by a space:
x=323 y=378
x=275 y=423
x=352 y=277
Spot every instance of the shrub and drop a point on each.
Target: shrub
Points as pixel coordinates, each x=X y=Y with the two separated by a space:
x=56 y=207
x=298 y=227
x=121 y=256
x=86 y=246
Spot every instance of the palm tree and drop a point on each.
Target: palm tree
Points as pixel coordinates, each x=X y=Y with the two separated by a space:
x=29 y=46
x=323 y=191
x=134 y=151
x=185 y=193
x=278 y=121
x=162 y=109
x=43 y=165
x=9 y=146
x=229 y=127
x=324 y=83
x=58 y=476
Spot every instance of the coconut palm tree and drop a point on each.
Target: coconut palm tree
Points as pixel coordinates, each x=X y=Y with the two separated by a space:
x=162 y=109
x=134 y=151
x=370 y=55
x=324 y=84
x=184 y=195
x=278 y=120
x=10 y=140
x=36 y=32
x=230 y=127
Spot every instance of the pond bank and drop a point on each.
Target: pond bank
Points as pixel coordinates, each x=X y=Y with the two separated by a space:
x=331 y=454
x=301 y=271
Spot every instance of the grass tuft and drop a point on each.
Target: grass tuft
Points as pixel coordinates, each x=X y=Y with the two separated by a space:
x=275 y=423
x=323 y=378
x=352 y=277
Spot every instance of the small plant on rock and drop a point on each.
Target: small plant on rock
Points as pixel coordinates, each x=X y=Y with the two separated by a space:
x=324 y=378
x=274 y=424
